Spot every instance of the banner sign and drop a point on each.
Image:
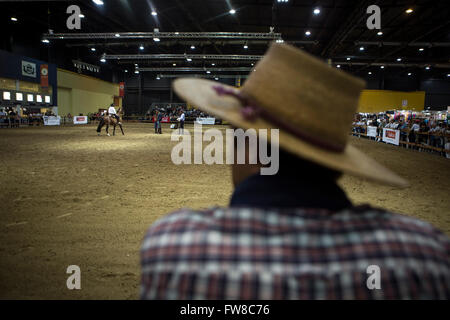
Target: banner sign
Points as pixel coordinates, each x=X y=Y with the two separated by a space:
x=80 y=120
x=28 y=69
x=164 y=119
x=122 y=89
x=44 y=75
x=85 y=66
x=391 y=136
x=205 y=120
x=52 y=121
x=372 y=131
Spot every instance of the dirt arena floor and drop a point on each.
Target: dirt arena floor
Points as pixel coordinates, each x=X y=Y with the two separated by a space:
x=69 y=197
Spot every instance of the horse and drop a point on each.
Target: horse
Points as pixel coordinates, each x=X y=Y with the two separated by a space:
x=109 y=120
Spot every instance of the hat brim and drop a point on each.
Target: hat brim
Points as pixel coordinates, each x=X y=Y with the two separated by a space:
x=200 y=93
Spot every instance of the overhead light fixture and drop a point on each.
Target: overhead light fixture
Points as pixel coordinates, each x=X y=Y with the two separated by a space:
x=448 y=74
x=216 y=78
x=232 y=11
x=399 y=59
x=245 y=46
x=380 y=33
x=81 y=15
x=316 y=11
x=154 y=13
x=253 y=64
x=361 y=49
x=213 y=64
x=103 y=60
x=98 y=2
x=308 y=33
x=141 y=47
x=45 y=41
x=208 y=71
x=136 y=71
x=338 y=66
x=157 y=77
x=409 y=10
x=117 y=35
x=93 y=49
x=382 y=67
x=369 y=72
x=421 y=49
x=279 y=41
x=6 y=95
x=188 y=59
x=409 y=74
x=14 y=19
x=348 y=58
x=156 y=39
x=126 y=70
x=427 y=68
x=174 y=64
x=282 y=1
x=19 y=96
x=192 y=47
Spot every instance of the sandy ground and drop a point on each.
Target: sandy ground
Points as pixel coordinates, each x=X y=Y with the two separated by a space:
x=69 y=197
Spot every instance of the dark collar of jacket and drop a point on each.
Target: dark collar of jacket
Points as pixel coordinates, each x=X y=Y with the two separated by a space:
x=280 y=191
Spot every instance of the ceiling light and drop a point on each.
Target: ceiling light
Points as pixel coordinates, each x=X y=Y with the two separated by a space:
x=361 y=49
x=232 y=11
x=370 y=72
x=308 y=33
x=136 y=71
x=174 y=64
x=158 y=78
x=421 y=49
x=126 y=70
x=45 y=41
x=380 y=33
x=98 y=2
x=192 y=47
x=399 y=59
x=216 y=78
x=154 y=13
x=409 y=74
x=316 y=11
x=448 y=74
x=103 y=60
x=213 y=64
x=188 y=59
x=279 y=41
x=408 y=11
x=81 y=15
x=245 y=46
x=348 y=58
x=427 y=68
x=208 y=72
x=156 y=39
x=117 y=35
x=93 y=49
x=14 y=19
x=141 y=47
x=338 y=66
x=382 y=67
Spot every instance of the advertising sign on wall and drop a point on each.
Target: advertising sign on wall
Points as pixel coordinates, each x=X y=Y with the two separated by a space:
x=44 y=75
x=28 y=69
x=391 y=136
x=80 y=120
x=122 y=89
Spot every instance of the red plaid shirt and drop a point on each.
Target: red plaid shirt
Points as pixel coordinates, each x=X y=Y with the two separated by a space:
x=293 y=253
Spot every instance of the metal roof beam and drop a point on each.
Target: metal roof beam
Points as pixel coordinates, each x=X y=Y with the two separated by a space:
x=181 y=57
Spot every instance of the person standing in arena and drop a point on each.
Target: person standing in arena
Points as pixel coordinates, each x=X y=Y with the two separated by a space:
x=294 y=234
x=181 y=122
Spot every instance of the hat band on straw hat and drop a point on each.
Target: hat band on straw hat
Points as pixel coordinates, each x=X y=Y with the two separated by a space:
x=251 y=110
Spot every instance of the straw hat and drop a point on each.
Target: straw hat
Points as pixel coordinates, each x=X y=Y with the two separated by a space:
x=310 y=103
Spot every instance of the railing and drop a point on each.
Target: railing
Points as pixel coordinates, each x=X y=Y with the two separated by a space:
x=418 y=144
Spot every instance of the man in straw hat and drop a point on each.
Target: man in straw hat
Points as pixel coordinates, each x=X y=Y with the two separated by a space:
x=295 y=234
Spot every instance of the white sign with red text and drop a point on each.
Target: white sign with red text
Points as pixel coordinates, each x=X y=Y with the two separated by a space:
x=80 y=120
x=391 y=136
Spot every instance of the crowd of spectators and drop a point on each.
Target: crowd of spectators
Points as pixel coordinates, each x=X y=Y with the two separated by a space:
x=416 y=133
x=173 y=111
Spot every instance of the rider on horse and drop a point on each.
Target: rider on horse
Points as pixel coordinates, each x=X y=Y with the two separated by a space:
x=112 y=112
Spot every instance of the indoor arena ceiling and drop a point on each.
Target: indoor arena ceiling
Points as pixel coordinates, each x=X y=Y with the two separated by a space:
x=408 y=39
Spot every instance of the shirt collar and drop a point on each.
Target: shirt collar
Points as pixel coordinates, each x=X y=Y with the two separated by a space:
x=279 y=191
